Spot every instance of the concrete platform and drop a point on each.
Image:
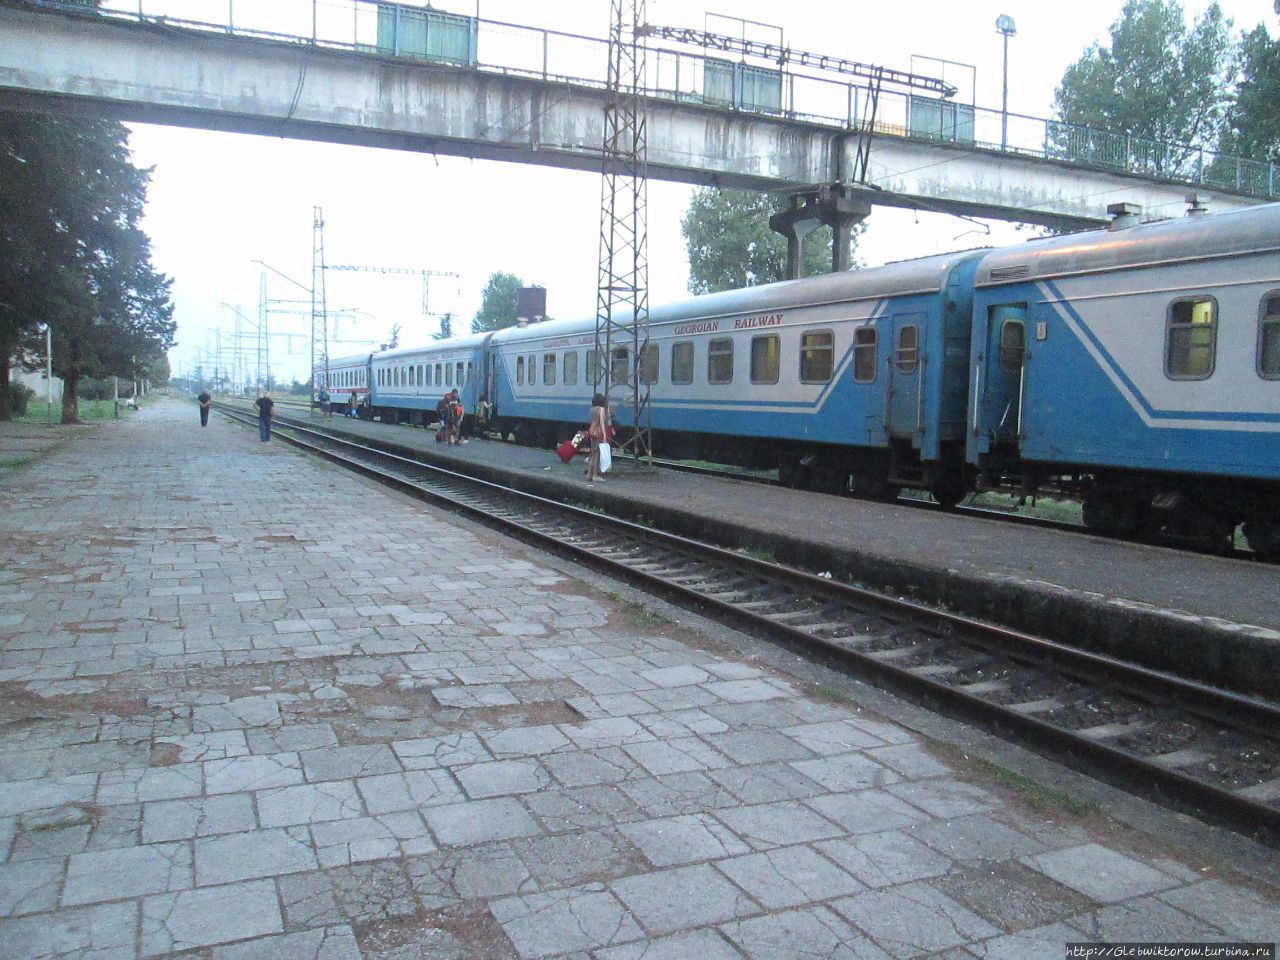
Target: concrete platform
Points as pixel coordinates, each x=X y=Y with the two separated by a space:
x=253 y=707
x=1211 y=618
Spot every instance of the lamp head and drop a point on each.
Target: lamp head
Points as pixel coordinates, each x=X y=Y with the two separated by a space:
x=1005 y=24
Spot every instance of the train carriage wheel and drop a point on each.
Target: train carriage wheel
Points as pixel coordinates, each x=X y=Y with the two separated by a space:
x=1264 y=538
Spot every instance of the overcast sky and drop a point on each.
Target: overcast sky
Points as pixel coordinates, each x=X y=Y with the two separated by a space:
x=219 y=201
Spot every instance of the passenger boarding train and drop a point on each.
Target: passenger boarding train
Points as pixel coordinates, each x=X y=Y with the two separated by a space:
x=1135 y=367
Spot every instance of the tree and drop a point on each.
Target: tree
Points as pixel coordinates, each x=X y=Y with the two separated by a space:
x=78 y=259
x=1158 y=81
x=498 y=303
x=1253 y=119
x=730 y=244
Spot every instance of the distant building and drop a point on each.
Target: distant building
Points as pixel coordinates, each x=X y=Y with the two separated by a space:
x=36 y=381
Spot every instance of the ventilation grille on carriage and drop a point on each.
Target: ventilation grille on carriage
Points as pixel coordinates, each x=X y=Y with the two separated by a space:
x=1011 y=273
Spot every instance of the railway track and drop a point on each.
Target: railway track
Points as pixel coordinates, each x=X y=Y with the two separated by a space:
x=1194 y=747
x=727 y=472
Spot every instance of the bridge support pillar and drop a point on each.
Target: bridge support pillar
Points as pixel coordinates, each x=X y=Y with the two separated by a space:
x=808 y=209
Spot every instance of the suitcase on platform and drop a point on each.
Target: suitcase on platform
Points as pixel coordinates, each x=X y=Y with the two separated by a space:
x=566 y=451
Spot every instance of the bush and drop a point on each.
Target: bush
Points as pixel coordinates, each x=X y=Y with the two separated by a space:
x=19 y=397
x=90 y=388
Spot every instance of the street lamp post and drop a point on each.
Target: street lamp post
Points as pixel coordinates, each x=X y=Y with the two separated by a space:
x=1006 y=27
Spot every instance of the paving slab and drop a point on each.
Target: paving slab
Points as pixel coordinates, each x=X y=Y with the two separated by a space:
x=218 y=741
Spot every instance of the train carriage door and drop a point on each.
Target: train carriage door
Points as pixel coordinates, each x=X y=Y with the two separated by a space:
x=1004 y=376
x=904 y=385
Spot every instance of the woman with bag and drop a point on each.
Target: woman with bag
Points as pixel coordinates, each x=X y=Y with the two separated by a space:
x=596 y=433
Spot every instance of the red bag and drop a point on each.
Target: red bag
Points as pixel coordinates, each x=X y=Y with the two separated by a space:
x=566 y=450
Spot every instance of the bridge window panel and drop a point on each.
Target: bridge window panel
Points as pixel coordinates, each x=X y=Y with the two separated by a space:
x=682 y=362
x=649 y=363
x=720 y=360
x=907 y=354
x=1191 y=342
x=1269 y=338
x=520 y=371
x=765 y=353
x=549 y=369
x=817 y=356
x=865 y=355
x=571 y=368
x=1013 y=346
x=619 y=371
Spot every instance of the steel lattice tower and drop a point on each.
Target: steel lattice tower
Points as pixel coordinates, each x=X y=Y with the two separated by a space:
x=319 y=310
x=622 y=301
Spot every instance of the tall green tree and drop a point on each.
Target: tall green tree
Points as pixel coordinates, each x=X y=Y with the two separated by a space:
x=1157 y=79
x=81 y=253
x=499 y=302
x=730 y=244
x=1253 y=119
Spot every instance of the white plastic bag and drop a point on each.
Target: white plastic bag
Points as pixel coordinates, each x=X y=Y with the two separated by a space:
x=606 y=457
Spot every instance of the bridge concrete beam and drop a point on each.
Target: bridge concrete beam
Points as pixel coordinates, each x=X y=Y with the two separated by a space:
x=149 y=73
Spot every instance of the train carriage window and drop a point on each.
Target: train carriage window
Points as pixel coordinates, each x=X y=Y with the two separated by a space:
x=720 y=360
x=619 y=369
x=817 y=356
x=571 y=368
x=430 y=376
x=469 y=365
x=649 y=363
x=1191 y=340
x=519 y=371
x=865 y=354
x=1013 y=346
x=448 y=374
x=549 y=369
x=532 y=368
x=458 y=378
x=1269 y=338
x=682 y=362
x=422 y=375
x=907 y=355
x=764 y=358
x=593 y=367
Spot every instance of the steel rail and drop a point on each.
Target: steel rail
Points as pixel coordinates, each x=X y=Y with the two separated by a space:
x=1125 y=768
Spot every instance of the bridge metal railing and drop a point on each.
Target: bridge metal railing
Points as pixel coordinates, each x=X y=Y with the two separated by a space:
x=387 y=29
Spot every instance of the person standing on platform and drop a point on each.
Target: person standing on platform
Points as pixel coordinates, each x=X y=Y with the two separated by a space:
x=353 y=410
x=596 y=433
x=458 y=417
x=444 y=412
x=266 y=411
x=480 y=420
x=326 y=403
x=205 y=401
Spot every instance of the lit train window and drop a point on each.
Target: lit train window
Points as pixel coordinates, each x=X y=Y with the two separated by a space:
x=817 y=356
x=649 y=363
x=720 y=361
x=764 y=359
x=1269 y=338
x=864 y=355
x=549 y=369
x=682 y=362
x=1191 y=340
x=571 y=368
x=907 y=356
x=1013 y=346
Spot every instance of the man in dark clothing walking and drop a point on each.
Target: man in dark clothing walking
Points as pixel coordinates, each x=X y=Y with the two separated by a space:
x=266 y=409
x=205 y=401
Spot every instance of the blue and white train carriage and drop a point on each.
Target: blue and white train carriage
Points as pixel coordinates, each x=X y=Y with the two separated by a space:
x=849 y=379
x=407 y=383
x=1138 y=367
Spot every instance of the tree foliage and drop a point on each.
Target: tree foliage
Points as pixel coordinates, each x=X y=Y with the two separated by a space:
x=1157 y=79
x=1253 y=120
x=74 y=254
x=498 y=303
x=730 y=244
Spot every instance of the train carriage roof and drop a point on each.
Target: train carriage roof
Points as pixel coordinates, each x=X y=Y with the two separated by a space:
x=1234 y=233
x=353 y=360
x=926 y=275
x=469 y=341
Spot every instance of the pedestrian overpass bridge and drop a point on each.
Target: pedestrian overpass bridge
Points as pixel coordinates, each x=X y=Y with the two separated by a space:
x=373 y=73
